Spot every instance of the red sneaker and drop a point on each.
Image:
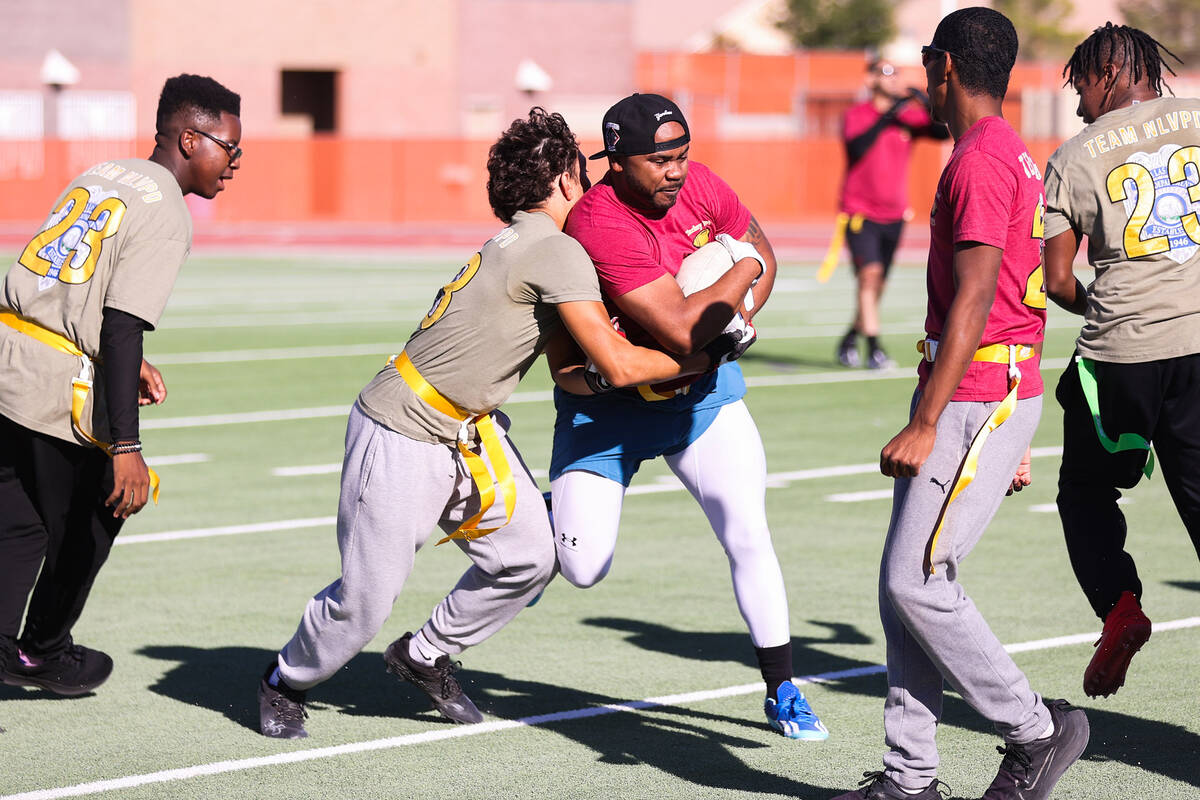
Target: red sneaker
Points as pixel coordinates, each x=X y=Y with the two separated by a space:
x=1126 y=629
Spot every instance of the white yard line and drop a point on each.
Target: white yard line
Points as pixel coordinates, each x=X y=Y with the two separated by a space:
x=276 y=354
x=496 y=726
x=666 y=483
x=182 y=458
x=227 y=530
x=282 y=415
x=336 y=351
x=858 y=497
x=312 y=469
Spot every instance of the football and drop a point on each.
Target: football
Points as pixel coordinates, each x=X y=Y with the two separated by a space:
x=703 y=268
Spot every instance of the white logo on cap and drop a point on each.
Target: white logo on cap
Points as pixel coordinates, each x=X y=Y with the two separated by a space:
x=658 y=117
x=612 y=135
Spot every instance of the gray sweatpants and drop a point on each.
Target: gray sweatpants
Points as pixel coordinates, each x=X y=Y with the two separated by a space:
x=395 y=492
x=934 y=632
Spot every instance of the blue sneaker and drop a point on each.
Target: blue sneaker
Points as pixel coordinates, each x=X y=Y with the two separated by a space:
x=791 y=715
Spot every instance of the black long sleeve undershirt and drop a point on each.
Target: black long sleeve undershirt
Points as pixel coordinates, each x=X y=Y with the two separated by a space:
x=121 y=355
x=858 y=146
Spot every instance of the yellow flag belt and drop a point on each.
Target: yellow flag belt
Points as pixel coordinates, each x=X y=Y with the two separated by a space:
x=81 y=384
x=830 y=262
x=994 y=354
x=479 y=471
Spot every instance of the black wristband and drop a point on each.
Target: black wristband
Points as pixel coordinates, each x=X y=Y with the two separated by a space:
x=597 y=382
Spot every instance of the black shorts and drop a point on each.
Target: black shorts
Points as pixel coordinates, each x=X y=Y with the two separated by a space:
x=874 y=243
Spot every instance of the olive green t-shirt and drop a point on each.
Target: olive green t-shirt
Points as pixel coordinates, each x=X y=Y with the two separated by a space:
x=1130 y=182
x=116 y=238
x=486 y=327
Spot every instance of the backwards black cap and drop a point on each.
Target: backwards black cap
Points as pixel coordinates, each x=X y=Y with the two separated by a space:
x=630 y=125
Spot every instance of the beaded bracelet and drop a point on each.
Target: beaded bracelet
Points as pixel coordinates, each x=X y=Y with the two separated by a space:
x=125 y=447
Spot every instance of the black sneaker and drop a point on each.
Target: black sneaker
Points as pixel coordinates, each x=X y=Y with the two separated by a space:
x=847 y=351
x=1029 y=771
x=281 y=711
x=877 y=786
x=437 y=681
x=76 y=670
x=879 y=359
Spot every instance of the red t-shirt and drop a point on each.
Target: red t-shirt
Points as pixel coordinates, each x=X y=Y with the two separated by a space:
x=876 y=185
x=991 y=192
x=631 y=248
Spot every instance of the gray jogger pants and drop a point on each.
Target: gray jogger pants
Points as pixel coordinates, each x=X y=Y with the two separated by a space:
x=395 y=492
x=933 y=630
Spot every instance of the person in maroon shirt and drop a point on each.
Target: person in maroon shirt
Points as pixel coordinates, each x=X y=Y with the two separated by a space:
x=973 y=414
x=878 y=134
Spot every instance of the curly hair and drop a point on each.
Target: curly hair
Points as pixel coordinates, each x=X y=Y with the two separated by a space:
x=524 y=162
x=1121 y=46
x=198 y=96
x=983 y=44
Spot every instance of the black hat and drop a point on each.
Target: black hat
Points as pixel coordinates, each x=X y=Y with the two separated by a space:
x=630 y=125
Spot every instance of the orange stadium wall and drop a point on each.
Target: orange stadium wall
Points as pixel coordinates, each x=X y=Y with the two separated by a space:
x=332 y=180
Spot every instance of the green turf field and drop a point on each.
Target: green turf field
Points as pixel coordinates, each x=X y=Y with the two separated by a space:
x=262 y=359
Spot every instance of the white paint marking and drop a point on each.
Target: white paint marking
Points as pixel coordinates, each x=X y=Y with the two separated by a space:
x=314 y=469
x=327 y=469
x=1052 y=508
x=664 y=483
x=858 y=497
x=462 y=731
x=228 y=530
x=279 y=415
x=275 y=354
x=283 y=415
x=182 y=458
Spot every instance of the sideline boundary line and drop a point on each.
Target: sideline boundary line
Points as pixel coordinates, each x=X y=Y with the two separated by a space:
x=649 y=704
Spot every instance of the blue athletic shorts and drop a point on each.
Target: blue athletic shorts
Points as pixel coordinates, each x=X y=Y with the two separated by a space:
x=612 y=434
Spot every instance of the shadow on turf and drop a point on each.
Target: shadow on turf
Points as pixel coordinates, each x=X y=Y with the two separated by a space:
x=680 y=741
x=1191 y=586
x=1163 y=748
x=34 y=693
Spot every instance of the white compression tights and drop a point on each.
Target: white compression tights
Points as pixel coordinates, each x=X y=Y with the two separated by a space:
x=725 y=470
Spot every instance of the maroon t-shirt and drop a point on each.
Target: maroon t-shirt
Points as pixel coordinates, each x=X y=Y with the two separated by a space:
x=991 y=192
x=876 y=185
x=631 y=247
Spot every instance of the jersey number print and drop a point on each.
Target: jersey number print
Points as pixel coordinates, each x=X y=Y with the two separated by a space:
x=1164 y=194
x=1035 y=284
x=446 y=293
x=69 y=247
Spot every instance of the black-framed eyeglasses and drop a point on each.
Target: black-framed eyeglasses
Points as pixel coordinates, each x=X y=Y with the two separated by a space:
x=929 y=53
x=232 y=150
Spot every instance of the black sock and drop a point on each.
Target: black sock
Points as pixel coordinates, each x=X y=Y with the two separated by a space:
x=850 y=338
x=775 y=664
x=873 y=343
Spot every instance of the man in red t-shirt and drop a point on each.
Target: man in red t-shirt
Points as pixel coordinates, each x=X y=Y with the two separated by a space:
x=652 y=208
x=878 y=134
x=973 y=416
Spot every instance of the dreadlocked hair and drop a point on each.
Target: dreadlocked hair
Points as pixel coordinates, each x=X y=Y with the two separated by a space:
x=525 y=161
x=1121 y=46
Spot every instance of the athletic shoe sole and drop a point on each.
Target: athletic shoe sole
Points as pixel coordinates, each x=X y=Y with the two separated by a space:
x=52 y=686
